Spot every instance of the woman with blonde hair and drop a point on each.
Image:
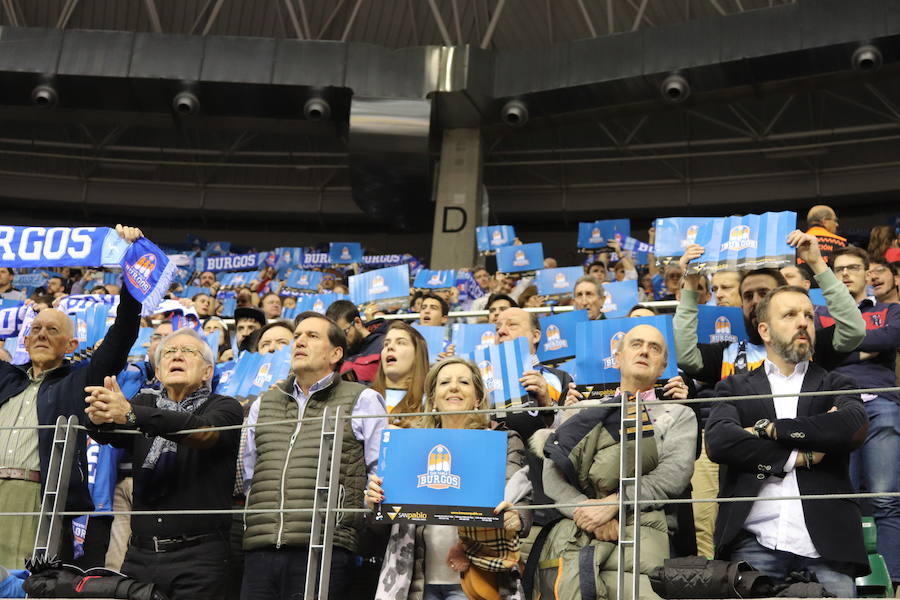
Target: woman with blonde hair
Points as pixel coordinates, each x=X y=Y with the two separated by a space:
x=444 y=562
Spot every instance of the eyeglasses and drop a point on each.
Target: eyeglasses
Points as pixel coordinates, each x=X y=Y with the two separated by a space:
x=347 y=329
x=855 y=268
x=879 y=270
x=185 y=350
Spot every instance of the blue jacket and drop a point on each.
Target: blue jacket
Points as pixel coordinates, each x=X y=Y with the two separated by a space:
x=882 y=338
x=62 y=394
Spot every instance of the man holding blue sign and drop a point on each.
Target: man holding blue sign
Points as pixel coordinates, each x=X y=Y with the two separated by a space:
x=37 y=393
x=711 y=362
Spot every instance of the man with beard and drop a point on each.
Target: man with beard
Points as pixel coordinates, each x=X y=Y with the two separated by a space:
x=711 y=362
x=787 y=446
x=364 y=341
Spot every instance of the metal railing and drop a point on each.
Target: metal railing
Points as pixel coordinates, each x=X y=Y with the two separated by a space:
x=53 y=512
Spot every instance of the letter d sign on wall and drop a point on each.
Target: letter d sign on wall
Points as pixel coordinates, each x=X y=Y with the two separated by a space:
x=462 y=218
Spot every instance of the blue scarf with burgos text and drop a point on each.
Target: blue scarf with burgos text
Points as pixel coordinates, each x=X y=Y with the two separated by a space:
x=146 y=269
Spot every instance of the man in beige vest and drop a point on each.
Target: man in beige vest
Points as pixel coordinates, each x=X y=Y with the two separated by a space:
x=280 y=465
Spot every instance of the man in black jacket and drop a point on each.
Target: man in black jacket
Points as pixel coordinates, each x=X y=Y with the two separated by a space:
x=39 y=392
x=185 y=555
x=788 y=446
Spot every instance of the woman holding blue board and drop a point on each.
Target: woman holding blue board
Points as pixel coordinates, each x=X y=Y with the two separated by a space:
x=450 y=562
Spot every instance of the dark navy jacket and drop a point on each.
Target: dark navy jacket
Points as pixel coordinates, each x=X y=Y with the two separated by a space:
x=62 y=394
x=882 y=337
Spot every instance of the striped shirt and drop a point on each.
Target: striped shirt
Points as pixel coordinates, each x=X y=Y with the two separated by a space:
x=19 y=447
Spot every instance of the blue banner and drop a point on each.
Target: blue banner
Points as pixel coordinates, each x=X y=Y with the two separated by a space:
x=621 y=296
x=558 y=282
x=139 y=348
x=501 y=367
x=720 y=324
x=490 y=238
x=597 y=341
x=674 y=234
x=468 y=288
x=468 y=337
x=558 y=335
x=30 y=280
x=520 y=259
x=435 y=280
x=391 y=283
x=597 y=234
x=444 y=476
x=288 y=257
x=230 y=262
x=435 y=339
x=345 y=253
x=746 y=243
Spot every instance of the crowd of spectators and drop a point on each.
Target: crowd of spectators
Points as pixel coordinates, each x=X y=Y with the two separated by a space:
x=366 y=360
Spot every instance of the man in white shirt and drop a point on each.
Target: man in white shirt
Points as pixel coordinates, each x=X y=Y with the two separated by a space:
x=789 y=446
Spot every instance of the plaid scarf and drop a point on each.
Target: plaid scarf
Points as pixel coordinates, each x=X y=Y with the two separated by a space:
x=153 y=479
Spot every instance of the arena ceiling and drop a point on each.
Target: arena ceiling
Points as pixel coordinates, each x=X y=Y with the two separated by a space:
x=779 y=140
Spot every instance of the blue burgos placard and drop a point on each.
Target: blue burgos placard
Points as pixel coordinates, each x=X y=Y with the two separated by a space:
x=468 y=337
x=520 y=259
x=746 y=243
x=345 y=253
x=558 y=335
x=435 y=280
x=304 y=281
x=435 y=337
x=501 y=367
x=620 y=297
x=597 y=341
x=557 y=282
x=674 y=234
x=442 y=476
x=381 y=284
x=493 y=237
x=720 y=324
x=597 y=234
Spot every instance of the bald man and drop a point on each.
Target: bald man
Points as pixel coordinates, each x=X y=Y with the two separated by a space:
x=823 y=223
x=37 y=393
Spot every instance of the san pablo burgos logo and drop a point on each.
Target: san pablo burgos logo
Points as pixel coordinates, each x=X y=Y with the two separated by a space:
x=377 y=286
x=610 y=362
x=554 y=339
x=519 y=259
x=438 y=475
x=139 y=273
x=345 y=253
x=560 y=282
x=739 y=239
x=436 y=278
x=723 y=331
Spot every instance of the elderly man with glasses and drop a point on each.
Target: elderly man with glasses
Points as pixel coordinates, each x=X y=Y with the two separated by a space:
x=185 y=555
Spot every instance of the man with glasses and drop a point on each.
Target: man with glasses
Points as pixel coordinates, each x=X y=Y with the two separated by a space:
x=884 y=277
x=364 y=341
x=184 y=555
x=38 y=392
x=823 y=223
x=873 y=467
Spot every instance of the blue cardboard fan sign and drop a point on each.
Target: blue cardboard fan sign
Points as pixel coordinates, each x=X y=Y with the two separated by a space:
x=435 y=338
x=524 y=258
x=435 y=280
x=391 y=283
x=490 y=238
x=442 y=476
x=558 y=335
x=501 y=366
x=557 y=282
x=720 y=324
x=596 y=343
x=468 y=337
x=730 y=243
x=345 y=253
x=620 y=296
x=597 y=234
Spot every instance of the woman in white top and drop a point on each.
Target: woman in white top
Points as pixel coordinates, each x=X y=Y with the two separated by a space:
x=401 y=374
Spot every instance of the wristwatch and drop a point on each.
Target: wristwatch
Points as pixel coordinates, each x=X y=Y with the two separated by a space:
x=760 y=428
x=130 y=418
